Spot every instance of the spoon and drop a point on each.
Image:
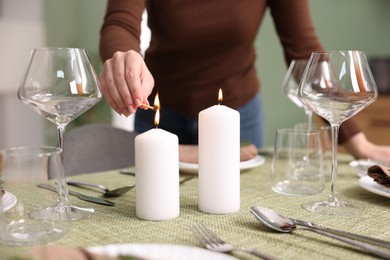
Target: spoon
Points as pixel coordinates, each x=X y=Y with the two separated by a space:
x=107 y=192
x=275 y=220
x=117 y=192
x=284 y=224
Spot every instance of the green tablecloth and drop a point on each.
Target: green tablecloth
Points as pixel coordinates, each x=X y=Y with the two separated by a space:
x=119 y=224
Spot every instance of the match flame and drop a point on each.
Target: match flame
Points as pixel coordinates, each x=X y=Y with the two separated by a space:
x=157 y=115
x=220 y=98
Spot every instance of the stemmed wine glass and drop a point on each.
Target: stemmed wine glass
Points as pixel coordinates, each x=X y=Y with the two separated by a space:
x=60 y=84
x=336 y=85
x=290 y=85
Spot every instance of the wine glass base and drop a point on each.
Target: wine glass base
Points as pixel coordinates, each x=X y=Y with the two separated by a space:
x=53 y=213
x=333 y=207
x=59 y=213
x=298 y=189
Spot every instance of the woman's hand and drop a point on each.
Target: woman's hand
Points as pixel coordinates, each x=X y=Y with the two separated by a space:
x=360 y=148
x=189 y=153
x=126 y=82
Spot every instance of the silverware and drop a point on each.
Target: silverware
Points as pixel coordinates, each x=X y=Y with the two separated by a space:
x=131 y=171
x=80 y=196
x=115 y=192
x=283 y=224
x=75 y=208
x=107 y=192
x=370 y=240
x=212 y=242
x=186 y=179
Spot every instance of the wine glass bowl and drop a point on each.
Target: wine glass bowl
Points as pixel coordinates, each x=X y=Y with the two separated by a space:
x=60 y=84
x=291 y=82
x=336 y=85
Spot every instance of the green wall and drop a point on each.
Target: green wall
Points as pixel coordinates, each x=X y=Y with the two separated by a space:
x=75 y=23
x=340 y=24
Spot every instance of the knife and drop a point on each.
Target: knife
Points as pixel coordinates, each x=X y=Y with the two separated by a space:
x=80 y=196
x=130 y=172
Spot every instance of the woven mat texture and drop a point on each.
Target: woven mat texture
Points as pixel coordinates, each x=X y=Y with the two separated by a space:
x=119 y=224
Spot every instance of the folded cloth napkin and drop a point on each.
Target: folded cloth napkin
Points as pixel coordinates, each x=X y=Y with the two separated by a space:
x=380 y=174
x=2 y=192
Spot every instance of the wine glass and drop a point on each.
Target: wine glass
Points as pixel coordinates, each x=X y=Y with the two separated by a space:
x=290 y=85
x=336 y=85
x=60 y=84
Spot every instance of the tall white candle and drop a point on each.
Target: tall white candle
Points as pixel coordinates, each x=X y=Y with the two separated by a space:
x=219 y=160
x=157 y=175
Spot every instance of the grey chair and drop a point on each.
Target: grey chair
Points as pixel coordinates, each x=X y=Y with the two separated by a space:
x=97 y=147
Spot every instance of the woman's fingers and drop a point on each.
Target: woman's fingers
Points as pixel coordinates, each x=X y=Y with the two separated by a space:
x=133 y=64
x=126 y=82
x=248 y=152
x=107 y=86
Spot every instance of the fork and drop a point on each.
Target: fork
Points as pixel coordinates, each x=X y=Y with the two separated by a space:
x=212 y=242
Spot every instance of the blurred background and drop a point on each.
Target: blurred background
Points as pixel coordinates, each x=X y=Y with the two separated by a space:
x=25 y=24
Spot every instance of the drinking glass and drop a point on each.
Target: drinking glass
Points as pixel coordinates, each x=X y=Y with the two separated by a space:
x=336 y=85
x=60 y=84
x=326 y=143
x=30 y=215
x=297 y=166
x=290 y=85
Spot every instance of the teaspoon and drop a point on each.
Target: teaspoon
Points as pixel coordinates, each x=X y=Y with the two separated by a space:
x=284 y=224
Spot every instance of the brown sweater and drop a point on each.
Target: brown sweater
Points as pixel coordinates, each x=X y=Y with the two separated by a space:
x=199 y=46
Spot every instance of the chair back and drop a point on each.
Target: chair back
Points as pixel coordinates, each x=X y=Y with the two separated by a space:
x=97 y=147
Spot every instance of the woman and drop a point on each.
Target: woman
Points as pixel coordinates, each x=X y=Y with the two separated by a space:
x=196 y=48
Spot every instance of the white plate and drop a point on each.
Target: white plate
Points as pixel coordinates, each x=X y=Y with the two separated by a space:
x=158 y=251
x=369 y=184
x=245 y=165
x=8 y=200
x=361 y=166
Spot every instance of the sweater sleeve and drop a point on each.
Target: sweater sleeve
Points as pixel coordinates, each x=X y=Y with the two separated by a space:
x=295 y=29
x=297 y=35
x=121 y=27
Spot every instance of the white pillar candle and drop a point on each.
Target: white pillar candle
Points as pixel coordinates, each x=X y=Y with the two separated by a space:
x=219 y=160
x=157 y=175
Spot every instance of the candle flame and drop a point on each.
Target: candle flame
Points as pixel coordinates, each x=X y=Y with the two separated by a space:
x=220 y=98
x=156 y=101
x=157 y=114
x=157 y=117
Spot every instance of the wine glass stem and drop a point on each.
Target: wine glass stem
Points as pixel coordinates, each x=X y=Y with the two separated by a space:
x=61 y=131
x=309 y=117
x=62 y=188
x=333 y=193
